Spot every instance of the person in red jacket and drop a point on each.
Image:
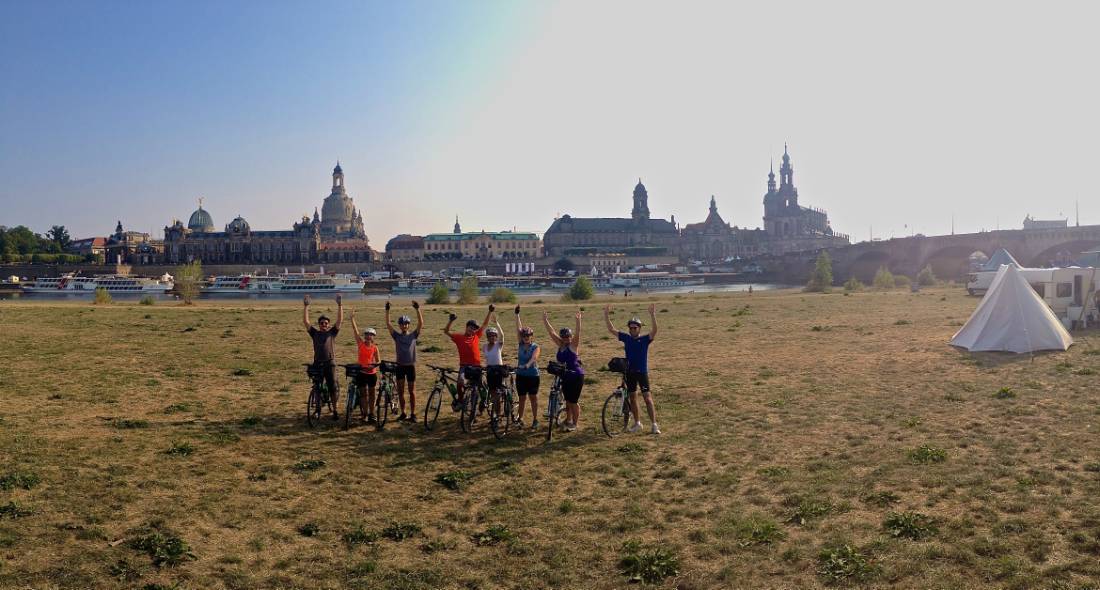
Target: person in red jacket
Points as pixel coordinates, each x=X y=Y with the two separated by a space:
x=468 y=344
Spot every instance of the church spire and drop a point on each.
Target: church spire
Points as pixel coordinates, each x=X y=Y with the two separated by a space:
x=713 y=205
x=641 y=202
x=786 y=171
x=458 y=228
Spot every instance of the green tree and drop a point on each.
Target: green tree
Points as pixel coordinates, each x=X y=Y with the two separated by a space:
x=884 y=279
x=821 y=281
x=102 y=297
x=188 y=281
x=926 y=278
x=21 y=240
x=467 y=291
x=502 y=295
x=581 y=289
x=853 y=284
x=439 y=294
x=902 y=281
x=60 y=236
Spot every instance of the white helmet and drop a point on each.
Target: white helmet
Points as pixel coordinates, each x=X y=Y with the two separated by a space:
x=370 y=332
x=490 y=331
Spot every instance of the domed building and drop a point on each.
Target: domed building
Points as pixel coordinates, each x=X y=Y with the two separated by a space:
x=200 y=221
x=334 y=235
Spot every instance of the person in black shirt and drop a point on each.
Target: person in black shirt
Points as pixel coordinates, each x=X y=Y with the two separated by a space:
x=324 y=336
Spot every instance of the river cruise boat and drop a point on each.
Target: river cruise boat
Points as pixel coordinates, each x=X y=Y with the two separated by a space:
x=285 y=283
x=70 y=284
x=650 y=280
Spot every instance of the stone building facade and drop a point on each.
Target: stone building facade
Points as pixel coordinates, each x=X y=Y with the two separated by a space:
x=132 y=247
x=791 y=227
x=460 y=245
x=404 y=248
x=336 y=235
x=637 y=235
x=714 y=239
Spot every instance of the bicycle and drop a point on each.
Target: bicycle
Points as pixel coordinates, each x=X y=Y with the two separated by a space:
x=384 y=401
x=476 y=397
x=617 y=409
x=319 y=395
x=446 y=381
x=503 y=406
x=352 y=372
x=555 y=403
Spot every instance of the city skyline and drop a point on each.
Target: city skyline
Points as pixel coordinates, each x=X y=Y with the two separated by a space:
x=511 y=113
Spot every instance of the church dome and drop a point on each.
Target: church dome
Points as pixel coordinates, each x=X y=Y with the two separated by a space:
x=201 y=221
x=237 y=226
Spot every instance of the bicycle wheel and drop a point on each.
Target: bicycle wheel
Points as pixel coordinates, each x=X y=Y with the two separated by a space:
x=381 y=407
x=552 y=412
x=469 y=410
x=499 y=417
x=431 y=409
x=313 y=407
x=353 y=400
x=614 y=414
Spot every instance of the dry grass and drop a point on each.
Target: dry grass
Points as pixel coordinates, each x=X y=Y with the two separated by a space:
x=791 y=431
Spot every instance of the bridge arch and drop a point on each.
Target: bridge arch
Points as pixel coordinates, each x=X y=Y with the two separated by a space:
x=1053 y=255
x=950 y=262
x=864 y=266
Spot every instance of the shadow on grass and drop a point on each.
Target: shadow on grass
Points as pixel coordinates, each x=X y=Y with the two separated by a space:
x=999 y=359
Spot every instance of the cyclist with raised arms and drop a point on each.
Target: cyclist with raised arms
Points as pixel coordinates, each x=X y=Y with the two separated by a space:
x=324 y=354
x=368 y=375
x=405 y=342
x=636 y=346
x=569 y=343
x=468 y=344
x=527 y=370
x=492 y=351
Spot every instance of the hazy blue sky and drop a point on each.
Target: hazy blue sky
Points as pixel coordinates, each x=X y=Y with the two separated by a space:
x=898 y=114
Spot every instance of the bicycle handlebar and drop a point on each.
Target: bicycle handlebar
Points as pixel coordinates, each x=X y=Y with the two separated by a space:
x=442 y=369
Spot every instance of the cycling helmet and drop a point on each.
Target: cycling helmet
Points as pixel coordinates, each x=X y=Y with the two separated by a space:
x=370 y=331
x=491 y=332
x=634 y=322
x=404 y=320
x=472 y=324
x=526 y=331
x=565 y=332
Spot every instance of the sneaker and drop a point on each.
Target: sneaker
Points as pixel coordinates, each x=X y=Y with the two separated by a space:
x=534 y=425
x=335 y=416
x=371 y=420
x=570 y=427
x=655 y=430
x=412 y=418
x=456 y=405
x=634 y=427
x=403 y=418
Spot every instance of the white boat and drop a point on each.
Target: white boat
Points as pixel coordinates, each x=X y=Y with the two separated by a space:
x=69 y=284
x=285 y=283
x=650 y=280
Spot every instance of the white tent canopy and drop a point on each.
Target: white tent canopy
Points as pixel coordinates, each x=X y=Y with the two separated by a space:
x=1000 y=257
x=1011 y=317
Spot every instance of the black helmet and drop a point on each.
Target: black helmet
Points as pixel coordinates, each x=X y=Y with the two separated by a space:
x=404 y=320
x=635 y=322
x=565 y=332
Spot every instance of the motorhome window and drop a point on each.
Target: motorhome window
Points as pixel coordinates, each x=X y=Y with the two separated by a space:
x=1065 y=290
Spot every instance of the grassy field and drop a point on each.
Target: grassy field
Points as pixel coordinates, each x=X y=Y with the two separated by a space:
x=809 y=441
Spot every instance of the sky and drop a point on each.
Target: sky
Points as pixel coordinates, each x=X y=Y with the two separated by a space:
x=900 y=117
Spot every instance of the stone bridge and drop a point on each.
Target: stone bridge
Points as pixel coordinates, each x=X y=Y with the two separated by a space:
x=947 y=255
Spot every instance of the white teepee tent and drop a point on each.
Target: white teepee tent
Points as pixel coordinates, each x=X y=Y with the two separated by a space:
x=1000 y=257
x=1012 y=317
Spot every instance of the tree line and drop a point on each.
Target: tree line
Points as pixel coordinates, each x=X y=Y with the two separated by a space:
x=21 y=244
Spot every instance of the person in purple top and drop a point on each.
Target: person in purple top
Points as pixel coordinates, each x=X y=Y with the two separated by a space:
x=569 y=343
x=636 y=346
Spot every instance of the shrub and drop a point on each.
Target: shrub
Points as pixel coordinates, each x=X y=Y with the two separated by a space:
x=821 y=281
x=12 y=510
x=188 y=281
x=309 y=529
x=147 y=300
x=647 y=565
x=399 y=531
x=358 y=536
x=102 y=297
x=502 y=295
x=926 y=278
x=467 y=291
x=1005 y=393
x=452 y=480
x=902 y=281
x=853 y=285
x=439 y=294
x=884 y=279
x=25 y=480
x=308 y=465
x=581 y=289
x=183 y=449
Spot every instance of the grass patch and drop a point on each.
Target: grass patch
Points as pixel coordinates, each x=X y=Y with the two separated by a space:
x=1005 y=393
x=494 y=535
x=844 y=564
x=359 y=536
x=242 y=372
x=925 y=454
x=648 y=565
x=11 y=510
x=128 y=424
x=909 y=525
x=399 y=531
x=453 y=480
x=880 y=499
x=165 y=548
x=19 y=479
x=309 y=529
x=181 y=449
x=308 y=465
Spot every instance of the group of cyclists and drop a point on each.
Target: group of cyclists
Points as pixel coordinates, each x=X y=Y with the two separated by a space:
x=476 y=356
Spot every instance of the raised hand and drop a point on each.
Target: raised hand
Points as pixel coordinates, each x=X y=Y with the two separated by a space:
x=352 y=313
x=578 y=316
x=416 y=305
x=652 y=309
x=607 y=310
x=387 y=306
x=492 y=307
x=517 y=310
x=305 y=300
x=339 y=299
x=452 y=317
